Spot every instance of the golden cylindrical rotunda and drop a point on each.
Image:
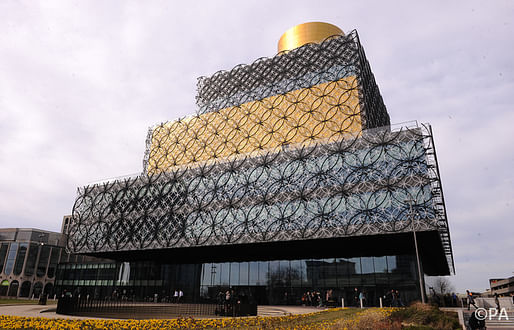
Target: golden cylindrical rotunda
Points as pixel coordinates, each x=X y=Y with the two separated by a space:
x=305 y=33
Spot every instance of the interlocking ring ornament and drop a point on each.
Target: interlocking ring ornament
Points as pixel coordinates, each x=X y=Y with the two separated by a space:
x=316 y=92
x=293 y=147
x=343 y=188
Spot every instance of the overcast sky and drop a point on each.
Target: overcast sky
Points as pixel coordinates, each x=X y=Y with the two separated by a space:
x=82 y=81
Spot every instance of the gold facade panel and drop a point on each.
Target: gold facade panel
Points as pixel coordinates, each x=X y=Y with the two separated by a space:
x=326 y=111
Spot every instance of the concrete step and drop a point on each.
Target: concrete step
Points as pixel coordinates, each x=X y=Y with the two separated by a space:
x=495 y=322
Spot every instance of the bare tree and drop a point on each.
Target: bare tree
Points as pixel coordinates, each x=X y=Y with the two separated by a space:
x=441 y=287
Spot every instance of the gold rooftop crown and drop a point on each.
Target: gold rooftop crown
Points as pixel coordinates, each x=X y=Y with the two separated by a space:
x=305 y=33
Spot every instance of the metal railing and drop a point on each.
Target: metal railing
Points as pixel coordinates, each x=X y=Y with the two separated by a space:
x=126 y=309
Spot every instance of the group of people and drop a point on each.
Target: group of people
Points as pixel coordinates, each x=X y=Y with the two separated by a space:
x=178 y=296
x=358 y=297
x=312 y=298
x=471 y=300
x=474 y=321
x=229 y=301
x=231 y=297
x=316 y=298
x=393 y=299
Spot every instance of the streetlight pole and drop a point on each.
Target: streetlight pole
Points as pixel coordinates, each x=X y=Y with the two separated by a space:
x=213 y=274
x=421 y=289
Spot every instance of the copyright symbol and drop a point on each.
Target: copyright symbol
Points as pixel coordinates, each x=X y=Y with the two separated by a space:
x=481 y=313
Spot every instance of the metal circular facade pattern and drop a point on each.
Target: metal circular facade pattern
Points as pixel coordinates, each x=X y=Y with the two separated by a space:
x=294 y=147
x=348 y=187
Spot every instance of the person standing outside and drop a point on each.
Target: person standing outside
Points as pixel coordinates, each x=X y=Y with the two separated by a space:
x=471 y=300
x=362 y=298
x=475 y=323
x=399 y=301
x=180 y=295
x=228 y=298
x=497 y=302
x=393 y=302
x=356 y=297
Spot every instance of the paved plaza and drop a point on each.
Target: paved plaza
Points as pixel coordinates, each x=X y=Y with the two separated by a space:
x=49 y=311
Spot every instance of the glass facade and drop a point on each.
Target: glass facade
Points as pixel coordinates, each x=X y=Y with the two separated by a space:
x=266 y=282
x=28 y=259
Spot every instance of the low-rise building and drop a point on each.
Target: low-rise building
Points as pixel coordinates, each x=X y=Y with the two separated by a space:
x=28 y=261
x=502 y=286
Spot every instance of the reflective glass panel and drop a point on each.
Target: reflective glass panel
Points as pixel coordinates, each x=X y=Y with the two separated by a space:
x=306 y=275
x=31 y=259
x=295 y=273
x=342 y=272
x=330 y=273
x=206 y=274
x=234 y=273
x=243 y=273
x=20 y=258
x=407 y=266
x=3 y=254
x=64 y=257
x=215 y=273
x=253 y=273
x=391 y=263
x=380 y=264
x=354 y=266
x=381 y=276
x=284 y=272
x=263 y=273
x=354 y=270
x=11 y=256
x=315 y=268
x=224 y=274
x=274 y=273
x=43 y=261
x=367 y=265
x=54 y=257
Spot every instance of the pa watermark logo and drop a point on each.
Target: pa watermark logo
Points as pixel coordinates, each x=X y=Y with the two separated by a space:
x=491 y=313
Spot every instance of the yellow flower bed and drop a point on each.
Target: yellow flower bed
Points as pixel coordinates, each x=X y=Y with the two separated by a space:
x=299 y=321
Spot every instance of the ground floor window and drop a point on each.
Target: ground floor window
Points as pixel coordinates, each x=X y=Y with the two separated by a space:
x=25 y=289
x=38 y=289
x=49 y=289
x=327 y=281
x=4 y=286
x=13 y=288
